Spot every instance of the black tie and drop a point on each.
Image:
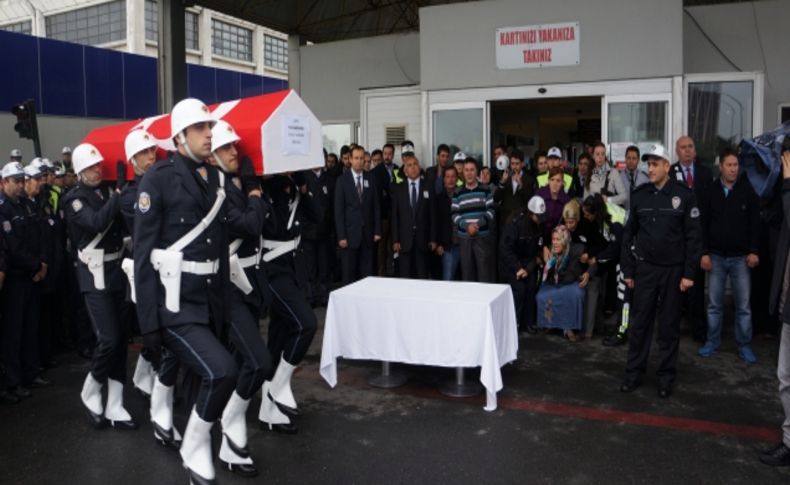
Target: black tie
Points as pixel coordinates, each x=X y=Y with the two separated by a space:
x=631 y=176
x=413 y=198
x=359 y=186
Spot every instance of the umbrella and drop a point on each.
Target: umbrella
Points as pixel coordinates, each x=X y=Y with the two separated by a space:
x=761 y=158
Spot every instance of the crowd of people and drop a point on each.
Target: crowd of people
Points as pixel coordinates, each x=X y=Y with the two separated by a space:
x=195 y=248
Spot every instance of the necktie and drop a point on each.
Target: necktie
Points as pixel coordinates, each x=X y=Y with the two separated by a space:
x=631 y=178
x=413 y=198
x=689 y=178
x=359 y=186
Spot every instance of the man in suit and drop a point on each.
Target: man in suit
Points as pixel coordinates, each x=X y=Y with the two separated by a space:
x=515 y=189
x=386 y=174
x=413 y=222
x=357 y=219
x=699 y=178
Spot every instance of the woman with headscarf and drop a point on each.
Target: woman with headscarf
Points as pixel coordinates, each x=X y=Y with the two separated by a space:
x=561 y=296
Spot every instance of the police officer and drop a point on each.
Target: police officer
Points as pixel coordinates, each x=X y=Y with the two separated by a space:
x=317 y=237
x=661 y=251
x=26 y=266
x=247 y=215
x=16 y=155
x=180 y=273
x=140 y=149
x=292 y=323
x=95 y=228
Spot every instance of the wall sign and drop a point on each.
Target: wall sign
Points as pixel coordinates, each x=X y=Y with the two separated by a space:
x=533 y=46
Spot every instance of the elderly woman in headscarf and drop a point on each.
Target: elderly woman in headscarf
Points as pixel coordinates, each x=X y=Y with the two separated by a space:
x=561 y=296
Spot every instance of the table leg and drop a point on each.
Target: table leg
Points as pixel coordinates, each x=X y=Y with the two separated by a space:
x=460 y=387
x=387 y=379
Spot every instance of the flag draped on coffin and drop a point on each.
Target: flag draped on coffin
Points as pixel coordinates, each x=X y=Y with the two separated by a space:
x=278 y=132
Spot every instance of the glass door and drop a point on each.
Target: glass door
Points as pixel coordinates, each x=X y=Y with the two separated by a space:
x=463 y=127
x=640 y=120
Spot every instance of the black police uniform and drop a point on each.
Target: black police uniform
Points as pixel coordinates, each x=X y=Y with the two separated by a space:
x=89 y=212
x=247 y=217
x=292 y=323
x=520 y=246
x=662 y=243
x=317 y=241
x=172 y=199
x=22 y=230
x=53 y=239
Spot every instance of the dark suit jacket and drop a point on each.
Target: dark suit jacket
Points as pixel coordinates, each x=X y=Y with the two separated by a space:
x=384 y=186
x=511 y=204
x=703 y=180
x=444 y=227
x=357 y=221
x=404 y=223
x=324 y=186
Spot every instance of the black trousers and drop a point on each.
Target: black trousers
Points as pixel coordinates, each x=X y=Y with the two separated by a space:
x=292 y=323
x=252 y=355
x=112 y=334
x=196 y=346
x=414 y=263
x=524 y=292
x=657 y=297
x=20 y=330
x=357 y=263
x=317 y=259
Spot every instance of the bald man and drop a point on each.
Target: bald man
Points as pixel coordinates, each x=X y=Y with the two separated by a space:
x=688 y=171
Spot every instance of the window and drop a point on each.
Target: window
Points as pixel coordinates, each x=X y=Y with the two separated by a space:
x=462 y=130
x=191 y=29
x=231 y=41
x=275 y=52
x=335 y=135
x=94 y=25
x=719 y=115
x=24 y=27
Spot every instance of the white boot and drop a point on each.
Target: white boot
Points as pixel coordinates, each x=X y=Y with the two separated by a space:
x=281 y=384
x=234 y=434
x=91 y=395
x=162 y=415
x=196 y=449
x=115 y=412
x=270 y=415
x=144 y=376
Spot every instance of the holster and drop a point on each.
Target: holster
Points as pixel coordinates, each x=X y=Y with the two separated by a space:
x=237 y=275
x=127 y=265
x=168 y=264
x=94 y=260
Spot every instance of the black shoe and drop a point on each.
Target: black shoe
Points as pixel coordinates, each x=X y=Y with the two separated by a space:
x=615 y=340
x=664 y=392
x=629 y=386
x=96 y=420
x=532 y=329
x=165 y=437
x=128 y=425
x=195 y=479
x=22 y=392
x=287 y=410
x=243 y=469
x=779 y=455
x=7 y=397
x=284 y=428
x=40 y=381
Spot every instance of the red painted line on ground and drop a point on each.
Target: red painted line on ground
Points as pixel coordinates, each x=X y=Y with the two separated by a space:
x=580 y=412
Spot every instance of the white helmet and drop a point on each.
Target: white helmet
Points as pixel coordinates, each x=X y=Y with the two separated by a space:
x=137 y=141
x=536 y=205
x=33 y=170
x=65 y=151
x=16 y=152
x=85 y=155
x=48 y=165
x=222 y=134
x=502 y=162
x=12 y=170
x=38 y=164
x=36 y=161
x=188 y=112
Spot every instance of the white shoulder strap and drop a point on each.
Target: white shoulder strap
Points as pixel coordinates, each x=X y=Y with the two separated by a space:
x=234 y=246
x=196 y=231
x=292 y=206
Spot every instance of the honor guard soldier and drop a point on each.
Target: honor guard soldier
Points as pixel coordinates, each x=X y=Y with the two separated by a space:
x=140 y=149
x=247 y=214
x=180 y=274
x=95 y=228
x=662 y=247
x=292 y=323
x=27 y=266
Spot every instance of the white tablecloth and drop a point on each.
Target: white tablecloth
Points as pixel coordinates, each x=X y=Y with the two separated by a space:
x=440 y=323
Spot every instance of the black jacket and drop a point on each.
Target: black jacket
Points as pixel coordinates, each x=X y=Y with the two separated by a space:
x=89 y=211
x=511 y=204
x=732 y=224
x=324 y=192
x=783 y=247
x=23 y=235
x=406 y=228
x=703 y=180
x=357 y=221
x=521 y=245
x=444 y=227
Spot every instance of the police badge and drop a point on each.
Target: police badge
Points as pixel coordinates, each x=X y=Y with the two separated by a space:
x=675 y=202
x=144 y=202
x=76 y=204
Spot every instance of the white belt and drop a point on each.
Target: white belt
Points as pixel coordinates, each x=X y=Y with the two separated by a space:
x=278 y=248
x=113 y=256
x=200 y=268
x=250 y=260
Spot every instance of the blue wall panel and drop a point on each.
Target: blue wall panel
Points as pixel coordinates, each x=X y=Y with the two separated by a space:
x=19 y=81
x=271 y=84
x=140 y=82
x=228 y=85
x=201 y=83
x=62 y=79
x=104 y=83
x=251 y=85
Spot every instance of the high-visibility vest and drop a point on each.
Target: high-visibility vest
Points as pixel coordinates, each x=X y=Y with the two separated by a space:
x=567 y=180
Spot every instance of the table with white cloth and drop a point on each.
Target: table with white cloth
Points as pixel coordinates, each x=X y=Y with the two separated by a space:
x=423 y=322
